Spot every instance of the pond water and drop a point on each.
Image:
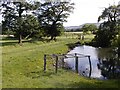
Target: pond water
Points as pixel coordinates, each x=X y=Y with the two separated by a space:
x=83 y=62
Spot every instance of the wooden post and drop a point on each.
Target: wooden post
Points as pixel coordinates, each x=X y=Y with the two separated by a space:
x=76 y=63
x=44 y=62
x=56 y=66
x=90 y=66
x=62 y=62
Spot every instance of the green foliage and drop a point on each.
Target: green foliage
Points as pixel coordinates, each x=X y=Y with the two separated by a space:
x=116 y=43
x=14 y=18
x=107 y=36
x=89 y=28
x=30 y=27
x=104 y=35
x=108 y=29
x=111 y=13
x=51 y=16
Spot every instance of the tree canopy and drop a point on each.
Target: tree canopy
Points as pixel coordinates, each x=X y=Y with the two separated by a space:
x=89 y=27
x=109 y=29
x=14 y=15
x=51 y=16
x=25 y=19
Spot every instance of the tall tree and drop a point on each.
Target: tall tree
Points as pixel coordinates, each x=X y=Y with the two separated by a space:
x=111 y=15
x=109 y=28
x=14 y=13
x=51 y=16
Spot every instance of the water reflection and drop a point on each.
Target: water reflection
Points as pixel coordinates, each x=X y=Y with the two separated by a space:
x=95 y=55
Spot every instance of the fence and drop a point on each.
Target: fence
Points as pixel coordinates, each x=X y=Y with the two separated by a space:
x=75 y=55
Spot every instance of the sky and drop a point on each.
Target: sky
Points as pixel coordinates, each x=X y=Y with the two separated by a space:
x=87 y=11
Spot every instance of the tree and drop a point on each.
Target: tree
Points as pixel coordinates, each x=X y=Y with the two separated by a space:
x=51 y=16
x=93 y=28
x=108 y=35
x=30 y=27
x=85 y=28
x=14 y=15
x=103 y=36
x=89 y=27
x=111 y=14
x=109 y=28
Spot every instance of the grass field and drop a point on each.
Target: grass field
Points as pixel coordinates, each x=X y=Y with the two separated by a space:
x=22 y=67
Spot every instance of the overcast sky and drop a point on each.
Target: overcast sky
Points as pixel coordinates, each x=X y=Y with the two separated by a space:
x=87 y=11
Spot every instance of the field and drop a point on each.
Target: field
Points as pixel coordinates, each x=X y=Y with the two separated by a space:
x=22 y=66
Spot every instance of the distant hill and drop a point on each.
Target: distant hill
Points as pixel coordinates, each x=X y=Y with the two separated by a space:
x=74 y=28
x=97 y=24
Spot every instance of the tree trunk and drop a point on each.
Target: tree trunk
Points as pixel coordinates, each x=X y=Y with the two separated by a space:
x=52 y=37
x=20 y=39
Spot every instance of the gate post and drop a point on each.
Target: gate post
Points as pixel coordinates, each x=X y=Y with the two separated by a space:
x=63 y=61
x=44 y=62
x=76 y=62
x=90 y=66
x=56 y=65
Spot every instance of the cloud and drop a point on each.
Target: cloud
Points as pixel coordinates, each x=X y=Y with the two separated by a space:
x=87 y=11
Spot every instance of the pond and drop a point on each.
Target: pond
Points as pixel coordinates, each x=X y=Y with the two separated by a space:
x=97 y=56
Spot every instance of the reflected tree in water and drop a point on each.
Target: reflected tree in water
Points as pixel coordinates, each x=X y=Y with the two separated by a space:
x=109 y=64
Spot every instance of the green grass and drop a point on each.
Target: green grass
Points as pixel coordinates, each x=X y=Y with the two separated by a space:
x=22 y=67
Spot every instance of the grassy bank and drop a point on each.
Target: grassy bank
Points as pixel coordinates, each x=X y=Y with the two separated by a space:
x=22 y=67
